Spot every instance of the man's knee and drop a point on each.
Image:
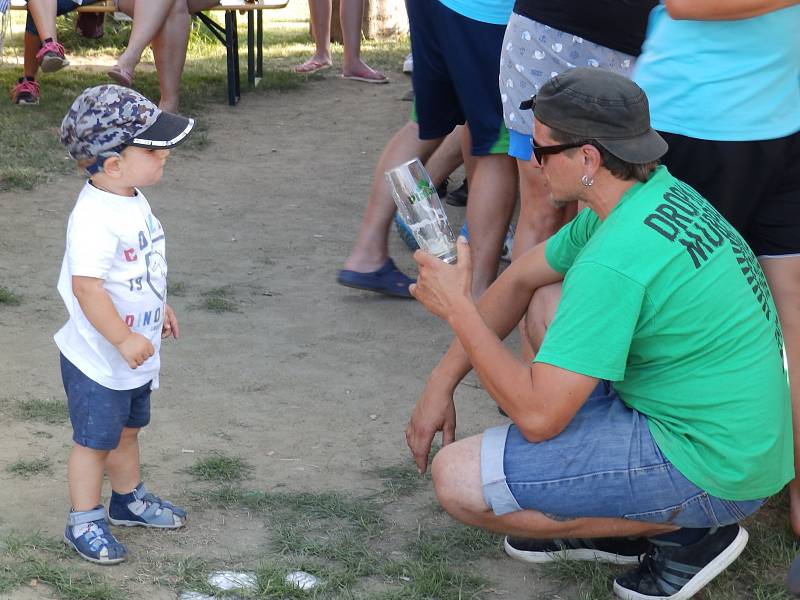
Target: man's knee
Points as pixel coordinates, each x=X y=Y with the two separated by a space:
x=456 y=474
x=540 y=313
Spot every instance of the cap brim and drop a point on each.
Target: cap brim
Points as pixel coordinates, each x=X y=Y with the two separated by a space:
x=168 y=131
x=639 y=150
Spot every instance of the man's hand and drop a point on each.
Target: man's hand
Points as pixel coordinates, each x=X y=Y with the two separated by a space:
x=170 y=327
x=433 y=412
x=441 y=287
x=135 y=349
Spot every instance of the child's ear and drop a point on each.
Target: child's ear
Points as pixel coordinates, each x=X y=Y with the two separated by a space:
x=111 y=166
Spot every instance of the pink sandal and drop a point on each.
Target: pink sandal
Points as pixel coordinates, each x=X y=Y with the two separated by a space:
x=311 y=66
x=121 y=76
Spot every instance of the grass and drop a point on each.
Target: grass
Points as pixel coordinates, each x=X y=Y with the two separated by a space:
x=32 y=559
x=220 y=469
x=29 y=135
x=219 y=300
x=401 y=480
x=8 y=297
x=29 y=468
x=51 y=412
x=177 y=288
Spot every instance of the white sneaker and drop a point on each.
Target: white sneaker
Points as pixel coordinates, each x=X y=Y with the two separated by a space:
x=408 y=64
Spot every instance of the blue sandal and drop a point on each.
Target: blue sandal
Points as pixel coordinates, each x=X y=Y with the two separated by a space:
x=97 y=544
x=387 y=280
x=155 y=512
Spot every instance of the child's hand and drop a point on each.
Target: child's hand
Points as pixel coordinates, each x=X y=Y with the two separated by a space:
x=135 y=349
x=170 y=327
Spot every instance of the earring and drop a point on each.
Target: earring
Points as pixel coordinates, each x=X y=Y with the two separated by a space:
x=587 y=181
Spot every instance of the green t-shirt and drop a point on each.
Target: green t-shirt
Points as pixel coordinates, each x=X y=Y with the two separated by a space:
x=665 y=299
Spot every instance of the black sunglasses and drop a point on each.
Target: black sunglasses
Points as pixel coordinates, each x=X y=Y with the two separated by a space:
x=540 y=151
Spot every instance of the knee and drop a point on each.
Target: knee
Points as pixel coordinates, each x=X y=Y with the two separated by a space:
x=180 y=8
x=443 y=474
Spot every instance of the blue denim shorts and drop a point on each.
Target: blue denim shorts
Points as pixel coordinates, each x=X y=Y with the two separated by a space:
x=99 y=414
x=604 y=464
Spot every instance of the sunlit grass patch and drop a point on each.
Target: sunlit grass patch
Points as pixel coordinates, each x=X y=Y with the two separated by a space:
x=220 y=468
x=29 y=468
x=52 y=412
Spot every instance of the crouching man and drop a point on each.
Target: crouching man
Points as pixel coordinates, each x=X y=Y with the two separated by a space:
x=655 y=415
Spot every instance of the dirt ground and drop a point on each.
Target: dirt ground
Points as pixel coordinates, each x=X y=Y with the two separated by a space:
x=310 y=382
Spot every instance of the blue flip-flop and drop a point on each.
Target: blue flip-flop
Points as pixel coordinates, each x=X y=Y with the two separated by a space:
x=387 y=280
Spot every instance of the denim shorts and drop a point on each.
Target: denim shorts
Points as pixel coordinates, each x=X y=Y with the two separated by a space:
x=62 y=7
x=604 y=464
x=99 y=414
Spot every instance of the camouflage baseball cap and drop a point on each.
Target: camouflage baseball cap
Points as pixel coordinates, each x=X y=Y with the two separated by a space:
x=105 y=118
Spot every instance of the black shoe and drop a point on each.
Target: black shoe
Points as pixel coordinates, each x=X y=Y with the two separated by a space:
x=672 y=572
x=442 y=189
x=620 y=551
x=458 y=197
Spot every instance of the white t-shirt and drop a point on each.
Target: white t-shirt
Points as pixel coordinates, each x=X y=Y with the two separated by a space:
x=116 y=239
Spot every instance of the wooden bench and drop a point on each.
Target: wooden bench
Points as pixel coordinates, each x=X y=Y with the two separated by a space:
x=228 y=35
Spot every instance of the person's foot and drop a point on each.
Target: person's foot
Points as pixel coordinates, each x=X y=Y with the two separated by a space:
x=313 y=65
x=408 y=64
x=140 y=508
x=26 y=91
x=458 y=197
x=90 y=536
x=361 y=71
x=620 y=551
x=673 y=572
x=121 y=75
x=51 y=57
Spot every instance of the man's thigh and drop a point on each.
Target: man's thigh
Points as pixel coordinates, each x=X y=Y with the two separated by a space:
x=604 y=464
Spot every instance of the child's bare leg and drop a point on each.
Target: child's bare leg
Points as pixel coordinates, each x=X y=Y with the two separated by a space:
x=85 y=477
x=43 y=13
x=123 y=462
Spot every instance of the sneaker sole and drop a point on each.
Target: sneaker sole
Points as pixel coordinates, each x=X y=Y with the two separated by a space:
x=27 y=102
x=120 y=523
x=51 y=64
x=699 y=581
x=97 y=561
x=569 y=554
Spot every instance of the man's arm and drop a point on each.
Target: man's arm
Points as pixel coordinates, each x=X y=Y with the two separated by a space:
x=723 y=10
x=501 y=308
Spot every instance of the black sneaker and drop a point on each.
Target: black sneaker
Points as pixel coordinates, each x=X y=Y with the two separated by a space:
x=442 y=189
x=672 y=572
x=458 y=197
x=620 y=551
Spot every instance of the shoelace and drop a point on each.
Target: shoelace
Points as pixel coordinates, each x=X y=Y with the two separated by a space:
x=26 y=86
x=51 y=47
x=650 y=566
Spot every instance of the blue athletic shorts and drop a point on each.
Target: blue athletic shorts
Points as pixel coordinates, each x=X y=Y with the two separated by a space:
x=604 y=464
x=62 y=7
x=519 y=145
x=99 y=414
x=456 y=67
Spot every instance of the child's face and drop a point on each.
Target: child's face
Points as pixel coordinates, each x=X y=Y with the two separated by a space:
x=140 y=167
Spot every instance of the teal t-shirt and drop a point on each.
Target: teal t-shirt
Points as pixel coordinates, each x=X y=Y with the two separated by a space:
x=665 y=299
x=495 y=12
x=723 y=80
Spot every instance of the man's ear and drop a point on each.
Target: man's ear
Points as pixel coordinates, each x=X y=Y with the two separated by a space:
x=591 y=157
x=111 y=166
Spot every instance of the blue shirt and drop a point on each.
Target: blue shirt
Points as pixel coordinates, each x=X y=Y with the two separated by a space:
x=723 y=80
x=495 y=12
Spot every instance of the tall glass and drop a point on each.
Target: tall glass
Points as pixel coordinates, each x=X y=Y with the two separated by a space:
x=421 y=209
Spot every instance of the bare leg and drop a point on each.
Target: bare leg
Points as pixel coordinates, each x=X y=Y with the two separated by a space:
x=43 y=13
x=492 y=193
x=320 y=11
x=538 y=220
x=457 y=482
x=148 y=19
x=447 y=157
x=169 y=52
x=372 y=245
x=31 y=65
x=783 y=275
x=123 y=463
x=85 y=477
x=351 y=13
